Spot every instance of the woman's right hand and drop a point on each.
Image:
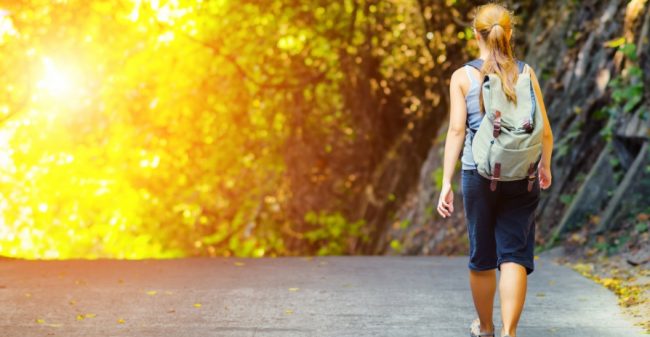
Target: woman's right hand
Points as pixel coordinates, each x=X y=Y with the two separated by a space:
x=446 y=200
x=545 y=177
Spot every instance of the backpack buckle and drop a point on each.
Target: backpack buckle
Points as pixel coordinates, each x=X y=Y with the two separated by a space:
x=495 y=177
x=531 y=176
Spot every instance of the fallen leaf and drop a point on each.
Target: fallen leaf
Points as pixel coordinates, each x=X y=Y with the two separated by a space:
x=197 y=305
x=55 y=325
x=288 y=311
x=28 y=295
x=40 y=321
x=80 y=317
x=72 y=302
x=120 y=320
x=90 y=315
x=151 y=292
x=239 y=264
x=541 y=294
x=293 y=289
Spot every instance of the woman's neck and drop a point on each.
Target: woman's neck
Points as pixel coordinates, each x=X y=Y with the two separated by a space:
x=483 y=54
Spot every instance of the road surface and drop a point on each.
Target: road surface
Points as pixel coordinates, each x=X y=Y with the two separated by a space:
x=333 y=296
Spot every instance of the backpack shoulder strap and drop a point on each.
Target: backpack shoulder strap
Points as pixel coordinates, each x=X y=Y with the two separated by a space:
x=478 y=63
x=521 y=65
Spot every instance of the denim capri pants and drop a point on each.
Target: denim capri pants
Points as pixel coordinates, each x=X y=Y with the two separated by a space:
x=500 y=223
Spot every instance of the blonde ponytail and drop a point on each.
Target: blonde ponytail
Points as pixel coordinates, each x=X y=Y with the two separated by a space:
x=492 y=21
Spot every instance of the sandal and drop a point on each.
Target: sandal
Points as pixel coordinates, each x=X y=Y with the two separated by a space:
x=475 y=330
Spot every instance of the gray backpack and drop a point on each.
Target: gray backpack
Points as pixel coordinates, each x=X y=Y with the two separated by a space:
x=508 y=143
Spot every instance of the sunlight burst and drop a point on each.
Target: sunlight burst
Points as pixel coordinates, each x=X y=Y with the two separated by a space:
x=57 y=81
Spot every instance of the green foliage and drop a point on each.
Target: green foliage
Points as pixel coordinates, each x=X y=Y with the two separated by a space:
x=145 y=129
x=627 y=88
x=564 y=144
x=436 y=177
x=332 y=232
x=396 y=245
x=614 y=246
x=566 y=199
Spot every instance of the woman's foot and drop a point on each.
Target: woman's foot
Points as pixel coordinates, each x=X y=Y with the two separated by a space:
x=477 y=330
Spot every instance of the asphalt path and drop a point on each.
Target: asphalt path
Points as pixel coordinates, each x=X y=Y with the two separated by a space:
x=287 y=296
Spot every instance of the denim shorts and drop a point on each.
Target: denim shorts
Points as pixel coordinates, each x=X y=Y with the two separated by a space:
x=500 y=223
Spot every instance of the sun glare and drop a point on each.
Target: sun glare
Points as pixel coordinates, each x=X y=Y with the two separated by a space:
x=57 y=81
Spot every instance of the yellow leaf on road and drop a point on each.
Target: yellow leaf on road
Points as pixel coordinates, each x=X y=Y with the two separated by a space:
x=197 y=305
x=239 y=264
x=81 y=317
x=120 y=320
x=151 y=292
x=40 y=321
x=293 y=289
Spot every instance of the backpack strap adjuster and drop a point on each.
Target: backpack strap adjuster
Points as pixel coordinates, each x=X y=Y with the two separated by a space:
x=495 y=177
x=531 y=176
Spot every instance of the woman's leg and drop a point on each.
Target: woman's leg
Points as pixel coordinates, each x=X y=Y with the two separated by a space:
x=484 y=285
x=515 y=236
x=480 y=206
x=512 y=290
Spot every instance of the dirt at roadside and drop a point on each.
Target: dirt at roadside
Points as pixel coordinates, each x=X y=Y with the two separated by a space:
x=619 y=261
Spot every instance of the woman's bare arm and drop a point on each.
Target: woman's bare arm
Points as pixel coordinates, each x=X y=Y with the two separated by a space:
x=456 y=131
x=547 y=135
x=453 y=141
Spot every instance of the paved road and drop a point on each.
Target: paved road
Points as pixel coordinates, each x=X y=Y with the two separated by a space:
x=284 y=297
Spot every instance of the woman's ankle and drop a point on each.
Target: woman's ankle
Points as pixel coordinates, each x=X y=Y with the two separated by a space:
x=505 y=333
x=487 y=327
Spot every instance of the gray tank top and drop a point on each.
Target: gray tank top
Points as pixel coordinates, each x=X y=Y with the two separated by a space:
x=474 y=118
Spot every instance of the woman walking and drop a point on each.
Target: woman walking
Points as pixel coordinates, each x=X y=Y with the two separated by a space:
x=500 y=218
